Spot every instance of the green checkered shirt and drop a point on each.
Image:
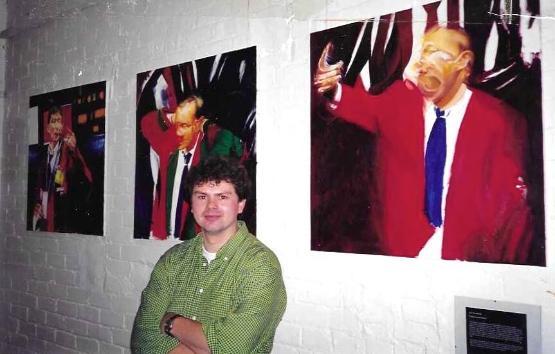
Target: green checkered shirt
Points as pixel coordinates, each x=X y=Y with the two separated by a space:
x=239 y=298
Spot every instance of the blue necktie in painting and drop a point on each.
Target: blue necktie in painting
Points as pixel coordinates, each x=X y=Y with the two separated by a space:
x=435 y=164
x=177 y=226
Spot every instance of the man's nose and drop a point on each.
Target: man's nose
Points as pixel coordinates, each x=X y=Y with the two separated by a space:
x=421 y=64
x=212 y=203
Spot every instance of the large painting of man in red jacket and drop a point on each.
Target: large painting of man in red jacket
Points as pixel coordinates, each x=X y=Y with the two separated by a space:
x=451 y=176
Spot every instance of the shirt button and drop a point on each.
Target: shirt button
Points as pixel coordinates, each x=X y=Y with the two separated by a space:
x=204 y=264
x=194 y=318
x=225 y=258
x=201 y=290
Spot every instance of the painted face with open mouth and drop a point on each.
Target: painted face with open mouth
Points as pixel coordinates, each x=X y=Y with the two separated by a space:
x=439 y=66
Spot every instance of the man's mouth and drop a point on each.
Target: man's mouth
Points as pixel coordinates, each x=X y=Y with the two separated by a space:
x=428 y=83
x=211 y=217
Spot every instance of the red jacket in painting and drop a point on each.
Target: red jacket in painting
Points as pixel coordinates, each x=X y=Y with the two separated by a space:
x=487 y=217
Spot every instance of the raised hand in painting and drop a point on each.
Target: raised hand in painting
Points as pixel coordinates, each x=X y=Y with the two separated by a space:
x=70 y=140
x=327 y=75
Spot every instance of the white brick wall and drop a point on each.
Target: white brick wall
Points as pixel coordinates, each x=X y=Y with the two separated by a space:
x=74 y=293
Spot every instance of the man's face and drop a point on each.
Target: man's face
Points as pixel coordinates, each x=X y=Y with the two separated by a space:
x=215 y=207
x=187 y=125
x=55 y=126
x=439 y=66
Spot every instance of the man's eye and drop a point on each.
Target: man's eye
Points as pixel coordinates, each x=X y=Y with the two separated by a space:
x=201 y=197
x=428 y=50
x=441 y=55
x=223 y=196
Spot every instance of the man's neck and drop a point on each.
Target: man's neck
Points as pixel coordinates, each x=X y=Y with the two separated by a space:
x=52 y=145
x=214 y=242
x=191 y=148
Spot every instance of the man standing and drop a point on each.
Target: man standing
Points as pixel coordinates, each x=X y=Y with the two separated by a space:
x=450 y=177
x=62 y=169
x=221 y=292
x=180 y=140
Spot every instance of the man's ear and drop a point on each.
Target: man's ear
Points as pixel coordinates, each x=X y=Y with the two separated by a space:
x=465 y=59
x=199 y=122
x=241 y=205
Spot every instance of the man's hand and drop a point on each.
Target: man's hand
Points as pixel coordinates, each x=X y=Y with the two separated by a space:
x=37 y=211
x=70 y=140
x=327 y=76
x=188 y=332
x=181 y=349
x=164 y=319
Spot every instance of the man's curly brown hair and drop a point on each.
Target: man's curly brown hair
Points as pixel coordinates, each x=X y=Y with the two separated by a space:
x=217 y=169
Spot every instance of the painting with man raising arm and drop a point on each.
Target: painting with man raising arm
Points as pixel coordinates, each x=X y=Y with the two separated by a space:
x=186 y=113
x=427 y=135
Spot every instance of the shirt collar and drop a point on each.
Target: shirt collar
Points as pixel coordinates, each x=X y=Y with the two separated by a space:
x=458 y=108
x=56 y=147
x=233 y=244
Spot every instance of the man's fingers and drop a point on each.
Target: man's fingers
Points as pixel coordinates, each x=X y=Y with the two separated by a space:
x=322 y=62
x=327 y=80
x=334 y=70
x=325 y=88
x=38 y=210
x=326 y=75
x=328 y=84
x=337 y=66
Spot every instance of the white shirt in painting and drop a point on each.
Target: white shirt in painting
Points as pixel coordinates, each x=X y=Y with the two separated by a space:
x=453 y=120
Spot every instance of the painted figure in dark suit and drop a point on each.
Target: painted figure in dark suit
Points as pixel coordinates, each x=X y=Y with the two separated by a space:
x=181 y=139
x=62 y=177
x=472 y=204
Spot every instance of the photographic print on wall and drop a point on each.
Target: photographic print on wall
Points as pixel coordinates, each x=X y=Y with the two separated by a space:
x=186 y=113
x=66 y=160
x=391 y=174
